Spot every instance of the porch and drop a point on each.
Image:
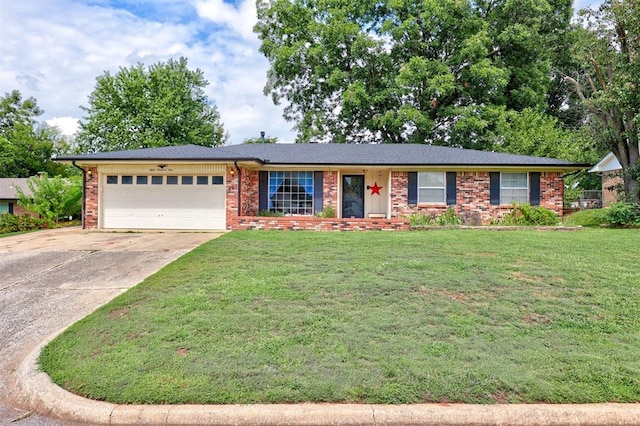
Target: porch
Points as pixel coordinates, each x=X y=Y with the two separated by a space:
x=319 y=223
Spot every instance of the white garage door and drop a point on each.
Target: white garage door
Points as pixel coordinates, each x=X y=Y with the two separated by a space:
x=163 y=202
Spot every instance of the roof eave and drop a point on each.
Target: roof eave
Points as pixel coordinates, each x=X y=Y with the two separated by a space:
x=80 y=160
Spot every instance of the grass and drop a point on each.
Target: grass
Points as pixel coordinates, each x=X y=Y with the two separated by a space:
x=376 y=317
x=588 y=218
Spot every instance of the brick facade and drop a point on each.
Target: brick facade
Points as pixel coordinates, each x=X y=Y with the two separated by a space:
x=472 y=202
x=611 y=181
x=318 y=224
x=473 y=197
x=91 y=207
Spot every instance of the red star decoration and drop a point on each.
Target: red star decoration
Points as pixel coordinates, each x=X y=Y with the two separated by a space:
x=375 y=189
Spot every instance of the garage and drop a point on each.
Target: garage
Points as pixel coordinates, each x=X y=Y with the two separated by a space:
x=172 y=199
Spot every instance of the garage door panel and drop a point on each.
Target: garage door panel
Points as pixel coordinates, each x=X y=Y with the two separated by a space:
x=164 y=206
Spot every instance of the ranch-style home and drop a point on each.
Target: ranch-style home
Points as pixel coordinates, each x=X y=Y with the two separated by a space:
x=368 y=186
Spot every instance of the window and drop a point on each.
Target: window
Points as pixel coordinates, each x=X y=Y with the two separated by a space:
x=4 y=207
x=431 y=187
x=202 y=180
x=156 y=180
x=142 y=180
x=172 y=180
x=127 y=180
x=187 y=180
x=112 y=180
x=217 y=180
x=291 y=192
x=514 y=188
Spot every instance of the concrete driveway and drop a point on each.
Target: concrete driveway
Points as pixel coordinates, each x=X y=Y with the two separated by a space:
x=51 y=279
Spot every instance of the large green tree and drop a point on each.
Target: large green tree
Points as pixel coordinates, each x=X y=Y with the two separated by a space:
x=608 y=82
x=426 y=71
x=26 y=145
x=137 y=107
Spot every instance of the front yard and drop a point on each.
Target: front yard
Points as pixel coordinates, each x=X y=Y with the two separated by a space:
x=377 y=317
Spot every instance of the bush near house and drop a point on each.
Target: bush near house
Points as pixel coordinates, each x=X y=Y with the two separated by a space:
x=524 y=214
x=449 y=217
x=17 y=223
x=623 y=214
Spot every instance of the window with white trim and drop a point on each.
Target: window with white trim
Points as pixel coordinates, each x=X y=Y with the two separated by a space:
x=291 y=192
x=432 y=188
x=514 y=188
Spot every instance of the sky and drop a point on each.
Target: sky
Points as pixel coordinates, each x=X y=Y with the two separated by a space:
x=53 y=50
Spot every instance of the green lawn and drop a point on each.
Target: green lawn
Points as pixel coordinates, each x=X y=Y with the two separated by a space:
x=470 y=316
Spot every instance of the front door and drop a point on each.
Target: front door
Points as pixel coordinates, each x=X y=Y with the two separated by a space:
x=352 y=196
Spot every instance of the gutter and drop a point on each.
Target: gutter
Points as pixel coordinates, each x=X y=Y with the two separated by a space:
x=84 y=190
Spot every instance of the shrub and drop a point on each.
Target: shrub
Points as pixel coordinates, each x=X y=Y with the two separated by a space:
x=447 y=218
x=327 y=212
x=623 y=214
x=417 y=219
x=524 y=214
x=16 y=223
x=269 y=213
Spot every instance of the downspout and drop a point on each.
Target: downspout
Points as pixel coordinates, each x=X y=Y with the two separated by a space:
x=235 y=163
x=84 y=189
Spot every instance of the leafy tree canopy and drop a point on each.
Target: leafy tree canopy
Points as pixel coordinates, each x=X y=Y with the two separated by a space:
x=26 y=146
x=607 y=82
x=140 y=107
x=398 y=71
x=52 y=197
x=267 y=139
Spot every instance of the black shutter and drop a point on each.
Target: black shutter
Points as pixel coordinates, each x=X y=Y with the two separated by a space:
x=494 y=188
x=412 y=188
x=317 y=191
x=452 y=189
x=263 y=191
x=10 y=208
x=534 y=188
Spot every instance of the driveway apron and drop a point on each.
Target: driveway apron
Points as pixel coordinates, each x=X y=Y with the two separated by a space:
x=51 y=279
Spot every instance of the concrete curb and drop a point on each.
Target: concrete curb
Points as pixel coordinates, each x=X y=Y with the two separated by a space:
x=44 y=397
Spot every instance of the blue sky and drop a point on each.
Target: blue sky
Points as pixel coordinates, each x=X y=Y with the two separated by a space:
x=54 y=49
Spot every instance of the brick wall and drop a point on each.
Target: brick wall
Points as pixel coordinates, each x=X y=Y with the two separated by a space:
x=318 y=224
x=232 y=195
x=330 y=189
x=552 y=192
x=19 y=210
x=472 y=202
x=91 y=207
x=610 y=181
x=473 y=197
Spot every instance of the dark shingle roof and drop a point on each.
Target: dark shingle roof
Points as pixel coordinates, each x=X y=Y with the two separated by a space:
x=330 y=154
x=8 y=188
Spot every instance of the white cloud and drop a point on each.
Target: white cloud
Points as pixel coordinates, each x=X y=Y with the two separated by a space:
x=53 y=50
x=66 y=125
x=241 y=19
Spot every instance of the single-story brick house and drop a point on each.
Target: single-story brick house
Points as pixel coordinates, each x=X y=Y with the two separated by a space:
x=368 y=186
x=9 y=195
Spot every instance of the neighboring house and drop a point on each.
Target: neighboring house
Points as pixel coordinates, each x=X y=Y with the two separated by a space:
x=368 y=186
x=9 y=196
x=610 y=169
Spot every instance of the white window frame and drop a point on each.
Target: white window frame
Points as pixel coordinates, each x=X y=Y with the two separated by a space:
x=443 y=188
x=509 y=199
x=287 y=201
